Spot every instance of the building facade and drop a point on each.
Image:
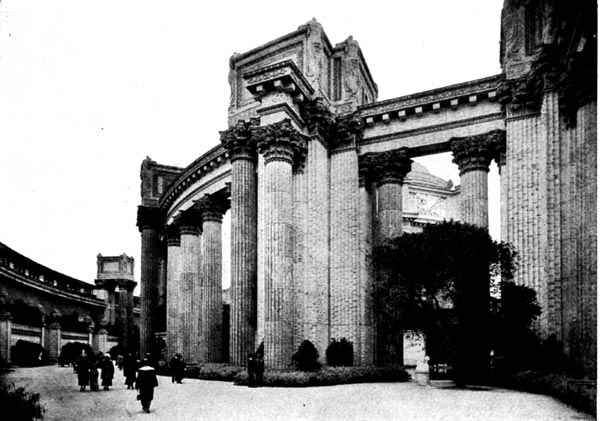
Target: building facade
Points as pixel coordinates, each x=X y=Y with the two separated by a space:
x=313 y=170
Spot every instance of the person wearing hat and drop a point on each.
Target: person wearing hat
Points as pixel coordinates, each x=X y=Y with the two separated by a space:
x=145 y=384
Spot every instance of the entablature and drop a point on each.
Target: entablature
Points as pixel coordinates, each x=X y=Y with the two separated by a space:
x=415 y=105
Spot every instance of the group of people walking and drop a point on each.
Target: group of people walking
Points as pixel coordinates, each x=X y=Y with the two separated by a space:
x=139 y=375
x=89 y=367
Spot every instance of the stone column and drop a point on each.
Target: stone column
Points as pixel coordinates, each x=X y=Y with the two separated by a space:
x=54 y=341
x=102 y=338
x=473 y=155
x=125 y=288
x=149 y=220
x=5 y=336
x=388 y=170
x=190 y=279
x=174 y=294
x=242 y=153
x=280 y=144
x=500 y=159
x=366 y=347
x=211 y=309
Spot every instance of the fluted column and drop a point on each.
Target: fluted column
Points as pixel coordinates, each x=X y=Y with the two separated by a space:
x=211 y=308
x=500 y=159
x=473 y=155
x=386 y=172
x=148 y=222
x=243 y=216
x=174 y=293
x=190 y=278
x=280 y=144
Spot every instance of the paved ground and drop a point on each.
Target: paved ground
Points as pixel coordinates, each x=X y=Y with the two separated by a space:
x=210 y=400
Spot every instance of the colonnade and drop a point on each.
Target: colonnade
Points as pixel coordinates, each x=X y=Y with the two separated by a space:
x=194 y=299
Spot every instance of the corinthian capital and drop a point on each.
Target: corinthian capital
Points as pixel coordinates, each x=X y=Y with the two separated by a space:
x=317 y=116
x=346 y=131
x=213 y=207
x=280 y=141
x=386 y=167
x=238 y=140
x=472 y=153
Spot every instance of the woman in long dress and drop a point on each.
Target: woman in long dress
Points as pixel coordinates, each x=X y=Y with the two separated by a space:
x=108 y=372
x=83 y=367
x=94 y=375
x=129 y=370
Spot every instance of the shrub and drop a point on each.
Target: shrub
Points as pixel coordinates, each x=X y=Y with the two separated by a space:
x=213 y=371
x=307 y=357
x=25 y=353
x=70 y=352
x=23 y=405
x=340 y=353
x=328 y=376
x=579 y=393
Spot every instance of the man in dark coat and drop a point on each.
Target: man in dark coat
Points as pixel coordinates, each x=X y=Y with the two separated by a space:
x=259 y=367
x=129 y=370
x=177 y=368
x=145 y=384
x=251 y=370
x=108 y=372
x=83 y=369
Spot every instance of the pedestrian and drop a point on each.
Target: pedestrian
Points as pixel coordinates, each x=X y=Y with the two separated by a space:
x=94 y=375
x=108 y=372
x=120 y=362
x=129 y=370
x=83 y=367
x=145 y=384
x=177 y=368
x=259 y=365
x=251 y=370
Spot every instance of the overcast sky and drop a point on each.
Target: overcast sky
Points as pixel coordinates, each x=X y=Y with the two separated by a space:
x=89 y=89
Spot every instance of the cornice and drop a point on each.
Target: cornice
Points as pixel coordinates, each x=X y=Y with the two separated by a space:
x=431 y=100
x=205 y=164
x=6 y=273
x=281 y=76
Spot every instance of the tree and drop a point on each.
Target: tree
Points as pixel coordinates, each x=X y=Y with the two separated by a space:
x=448 y=265
x=515 y=344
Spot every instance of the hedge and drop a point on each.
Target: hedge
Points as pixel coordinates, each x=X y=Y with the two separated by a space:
x=581 y=394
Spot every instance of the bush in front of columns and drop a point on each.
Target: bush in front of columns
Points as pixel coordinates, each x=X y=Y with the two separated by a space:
x=328 y=376
x=340 y=353
x=307 y=357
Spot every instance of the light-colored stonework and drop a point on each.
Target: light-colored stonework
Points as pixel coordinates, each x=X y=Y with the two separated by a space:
x=314 y=170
